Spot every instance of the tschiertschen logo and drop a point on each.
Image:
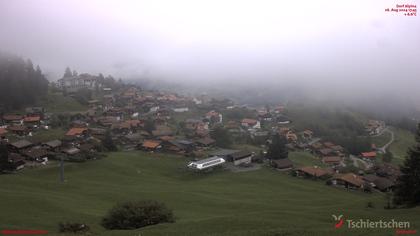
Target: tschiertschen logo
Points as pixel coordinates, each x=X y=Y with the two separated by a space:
x=400 y=227
x=339 y=221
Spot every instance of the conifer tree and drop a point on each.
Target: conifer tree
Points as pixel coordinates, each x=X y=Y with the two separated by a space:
x=277 y=149
x=407 y=191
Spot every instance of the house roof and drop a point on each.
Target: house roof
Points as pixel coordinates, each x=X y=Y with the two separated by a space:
x=325 y=151
x=241 y=154
x=370 y=178
x=36 y=153
x=76 y=131
x=351 y=178
x=12 y=117
x=21 y=144
x=314 y=171
x=151 y=144
x=368 y=154
x=331 y=159
x=32 y=119
x=53 y=143
x=282 y=163
x=17 y=128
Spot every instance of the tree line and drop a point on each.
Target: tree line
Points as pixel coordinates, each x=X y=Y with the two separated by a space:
x=21 y=83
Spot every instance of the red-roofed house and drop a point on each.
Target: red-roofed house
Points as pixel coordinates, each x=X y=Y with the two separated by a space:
x=251 y=123
x=368 y=155
x=76 y=132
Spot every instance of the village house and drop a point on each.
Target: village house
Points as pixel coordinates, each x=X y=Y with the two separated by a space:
x=332 y=160
x=32 y=121
x=374 y=127
x=16 y=161
x=380 y=183
x=97 y=133
x=35 y=111
x=11 y=119
x=20 y=146
x=107 y=121
x=178 y=146
x=389 y=171
x=77 y=132
x=82 y=81
x=251 y=123
x=19 y=130
x=282 y=164
x=314 y=172
x=291 y=137
x=265 y=116
x=240 y=157
x=214 y=117
x=349 y=181
x=151 y=145
x=53 y=145
x=37 y=154
x=370 y=156
x=323 y=152
x=307 y=134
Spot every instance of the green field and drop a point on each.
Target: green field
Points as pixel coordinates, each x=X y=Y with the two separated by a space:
x=262 y=202
x=305 y=159
x=403 y=140
x=382 y=139
x=56 y=102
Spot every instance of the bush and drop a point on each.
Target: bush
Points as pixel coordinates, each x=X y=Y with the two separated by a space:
x=72 y=228
x=137 y=214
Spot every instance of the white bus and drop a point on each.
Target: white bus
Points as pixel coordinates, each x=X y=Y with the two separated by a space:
x=206 y=163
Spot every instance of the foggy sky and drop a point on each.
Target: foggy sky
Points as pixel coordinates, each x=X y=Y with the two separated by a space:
x=325 y=45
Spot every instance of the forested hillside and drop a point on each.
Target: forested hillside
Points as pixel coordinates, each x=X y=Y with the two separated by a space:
x=20 y=82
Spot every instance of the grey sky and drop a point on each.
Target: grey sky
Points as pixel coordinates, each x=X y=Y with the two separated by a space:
x=355 y=43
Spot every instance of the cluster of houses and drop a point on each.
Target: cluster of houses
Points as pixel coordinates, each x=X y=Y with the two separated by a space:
x=145 y=120
x=374 y=127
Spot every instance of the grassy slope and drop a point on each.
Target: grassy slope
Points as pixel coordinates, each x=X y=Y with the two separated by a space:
x=262 y=202
x=305 y=159
x=56 y=102
x=382 y=139
x=403 y=140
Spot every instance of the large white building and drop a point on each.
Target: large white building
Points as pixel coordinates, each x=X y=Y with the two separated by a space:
x=74 y=83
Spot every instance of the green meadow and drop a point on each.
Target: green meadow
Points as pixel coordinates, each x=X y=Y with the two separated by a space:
x=262 y=202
